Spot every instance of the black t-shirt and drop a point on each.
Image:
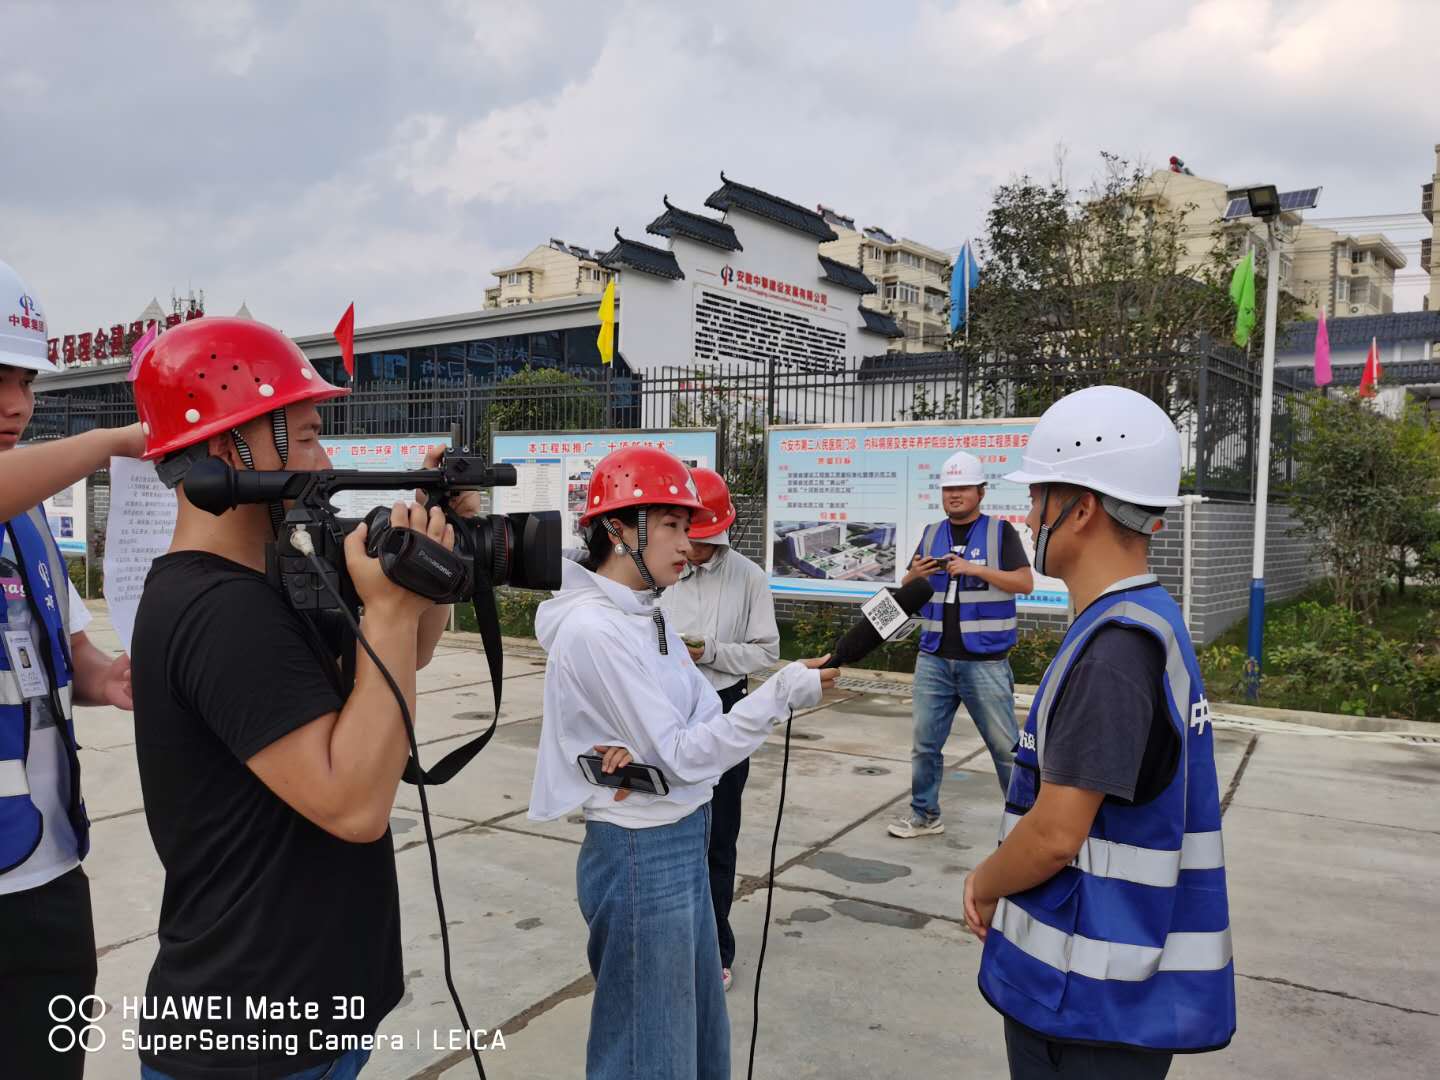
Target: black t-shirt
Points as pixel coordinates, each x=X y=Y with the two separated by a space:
x=1012 y=557
x=1110 y=729
x=259 y=902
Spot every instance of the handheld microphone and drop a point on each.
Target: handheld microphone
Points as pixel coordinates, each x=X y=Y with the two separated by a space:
x=862 y=638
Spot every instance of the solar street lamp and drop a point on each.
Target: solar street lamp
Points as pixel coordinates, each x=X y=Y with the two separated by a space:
x=1267 y=204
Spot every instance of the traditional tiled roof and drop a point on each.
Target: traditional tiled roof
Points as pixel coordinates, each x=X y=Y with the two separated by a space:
x=1352 y=331
x=877 y=322
x=846 y=276
x=697 y=227
x=634 y=255
x=733 y=196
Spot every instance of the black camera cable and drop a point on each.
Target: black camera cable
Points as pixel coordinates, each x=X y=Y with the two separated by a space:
x=769 y=898
x=306 y=547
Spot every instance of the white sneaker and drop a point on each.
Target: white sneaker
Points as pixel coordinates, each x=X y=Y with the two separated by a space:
x=727 y=978
x=912 y=825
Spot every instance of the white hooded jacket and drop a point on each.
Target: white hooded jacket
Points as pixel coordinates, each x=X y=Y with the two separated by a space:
x=606 y=684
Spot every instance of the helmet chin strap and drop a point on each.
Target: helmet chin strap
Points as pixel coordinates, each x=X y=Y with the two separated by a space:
x=1042 y=542
x=637 y=553
x=280 y=430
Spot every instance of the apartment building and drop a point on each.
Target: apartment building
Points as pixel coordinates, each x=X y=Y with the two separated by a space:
x=1428 y=262
x=552 y=271
x=1201 y=203
x=1344 y=275
x=909 y=277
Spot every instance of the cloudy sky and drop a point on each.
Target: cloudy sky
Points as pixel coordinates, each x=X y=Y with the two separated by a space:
x=297 y=156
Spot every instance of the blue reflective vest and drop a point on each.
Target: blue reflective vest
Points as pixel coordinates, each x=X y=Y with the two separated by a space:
x=987 y=614
x=43 y=572
x=1130 y=944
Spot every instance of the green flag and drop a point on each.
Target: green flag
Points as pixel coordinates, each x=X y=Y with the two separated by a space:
x=1242 y=294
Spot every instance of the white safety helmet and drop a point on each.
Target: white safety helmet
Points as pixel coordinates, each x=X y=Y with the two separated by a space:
x=1110 y=440
x=962 y=470
x=22 y=325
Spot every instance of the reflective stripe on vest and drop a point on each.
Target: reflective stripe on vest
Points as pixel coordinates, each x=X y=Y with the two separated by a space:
x=1143 y=866
x=972 y=619
x=1141 y=911
x=13 y=780
x=1110 y=960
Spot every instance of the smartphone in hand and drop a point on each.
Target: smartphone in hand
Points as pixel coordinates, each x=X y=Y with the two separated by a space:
x=646 y=779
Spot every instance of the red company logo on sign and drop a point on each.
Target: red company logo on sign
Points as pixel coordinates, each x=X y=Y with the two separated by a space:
x=780 y=290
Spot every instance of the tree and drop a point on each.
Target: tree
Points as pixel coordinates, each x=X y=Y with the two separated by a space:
x=1366 y=490
x=541 y=399
x=1099 y=286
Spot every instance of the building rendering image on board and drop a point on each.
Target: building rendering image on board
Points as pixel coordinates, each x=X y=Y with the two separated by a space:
x=835 y=550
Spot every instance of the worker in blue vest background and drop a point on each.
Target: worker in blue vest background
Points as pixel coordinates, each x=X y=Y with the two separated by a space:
x=976 y=564
x=47 y=665
x=1104 y=910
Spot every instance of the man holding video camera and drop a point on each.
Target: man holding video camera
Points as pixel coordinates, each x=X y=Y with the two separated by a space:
x=267 y=786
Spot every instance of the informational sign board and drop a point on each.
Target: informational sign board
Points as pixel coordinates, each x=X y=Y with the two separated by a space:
x=554 y=467
x=379 y=453
x=141 y=522
x=846 y=505
x=65 y=510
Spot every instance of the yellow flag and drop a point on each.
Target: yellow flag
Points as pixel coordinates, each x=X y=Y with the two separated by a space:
x=606 y=340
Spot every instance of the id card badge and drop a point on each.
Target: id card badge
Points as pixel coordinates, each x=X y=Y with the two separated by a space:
x=26 y=664
x=952 y=591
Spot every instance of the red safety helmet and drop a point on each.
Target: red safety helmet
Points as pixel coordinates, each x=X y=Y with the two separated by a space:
x=639 y=476
x=209 y=375
x=719 y=512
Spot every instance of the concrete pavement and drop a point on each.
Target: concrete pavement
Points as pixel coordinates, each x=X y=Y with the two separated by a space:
x=1331 y=846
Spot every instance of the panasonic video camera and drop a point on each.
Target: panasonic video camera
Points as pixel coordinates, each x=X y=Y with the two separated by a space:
x=521 y=549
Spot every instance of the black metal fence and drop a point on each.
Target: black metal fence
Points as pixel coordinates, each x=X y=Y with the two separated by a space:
x=1213 y=396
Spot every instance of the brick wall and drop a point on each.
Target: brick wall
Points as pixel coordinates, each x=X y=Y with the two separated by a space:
x=1220 y=574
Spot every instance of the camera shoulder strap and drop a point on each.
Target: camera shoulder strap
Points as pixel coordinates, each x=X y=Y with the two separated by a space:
x=445 y=769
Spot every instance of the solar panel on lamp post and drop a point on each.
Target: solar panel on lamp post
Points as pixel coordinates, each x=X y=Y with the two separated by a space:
x=1267 y=204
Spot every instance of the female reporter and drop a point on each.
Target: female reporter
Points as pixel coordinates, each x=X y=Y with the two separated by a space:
x=619 y=682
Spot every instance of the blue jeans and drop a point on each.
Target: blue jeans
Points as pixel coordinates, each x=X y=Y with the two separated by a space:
x=987 y=690
x=346 y=1067
x=659 y=1006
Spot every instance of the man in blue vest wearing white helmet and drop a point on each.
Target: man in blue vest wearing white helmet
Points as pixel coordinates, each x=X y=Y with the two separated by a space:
x=1104 y=910
x=976 y=564
x=47 y=665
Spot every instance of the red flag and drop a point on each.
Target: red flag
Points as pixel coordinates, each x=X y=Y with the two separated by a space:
x=345 y=335
x=1370 y=378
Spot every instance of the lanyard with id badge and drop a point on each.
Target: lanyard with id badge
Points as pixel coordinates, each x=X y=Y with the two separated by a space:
x=20 y=648
x=952 y=591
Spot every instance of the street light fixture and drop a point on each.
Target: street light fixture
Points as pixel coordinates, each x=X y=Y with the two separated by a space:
x=1266 y=203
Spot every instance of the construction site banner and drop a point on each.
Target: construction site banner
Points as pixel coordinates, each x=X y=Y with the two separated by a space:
x=554 y=466
x=846 y=504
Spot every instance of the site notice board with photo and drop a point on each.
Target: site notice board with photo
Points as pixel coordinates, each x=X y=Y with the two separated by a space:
x=846 y=504
x=554 y=467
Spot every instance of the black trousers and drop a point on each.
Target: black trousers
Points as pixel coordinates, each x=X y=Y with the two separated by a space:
x=1035 y=1058
x=724 y=832
x=47 y=949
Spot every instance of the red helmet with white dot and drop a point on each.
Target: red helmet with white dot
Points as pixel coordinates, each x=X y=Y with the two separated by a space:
x=210 y=375
x=639 y=476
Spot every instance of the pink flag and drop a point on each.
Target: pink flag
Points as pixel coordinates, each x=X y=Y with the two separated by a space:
x=1322 y=352
x=139 y=349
